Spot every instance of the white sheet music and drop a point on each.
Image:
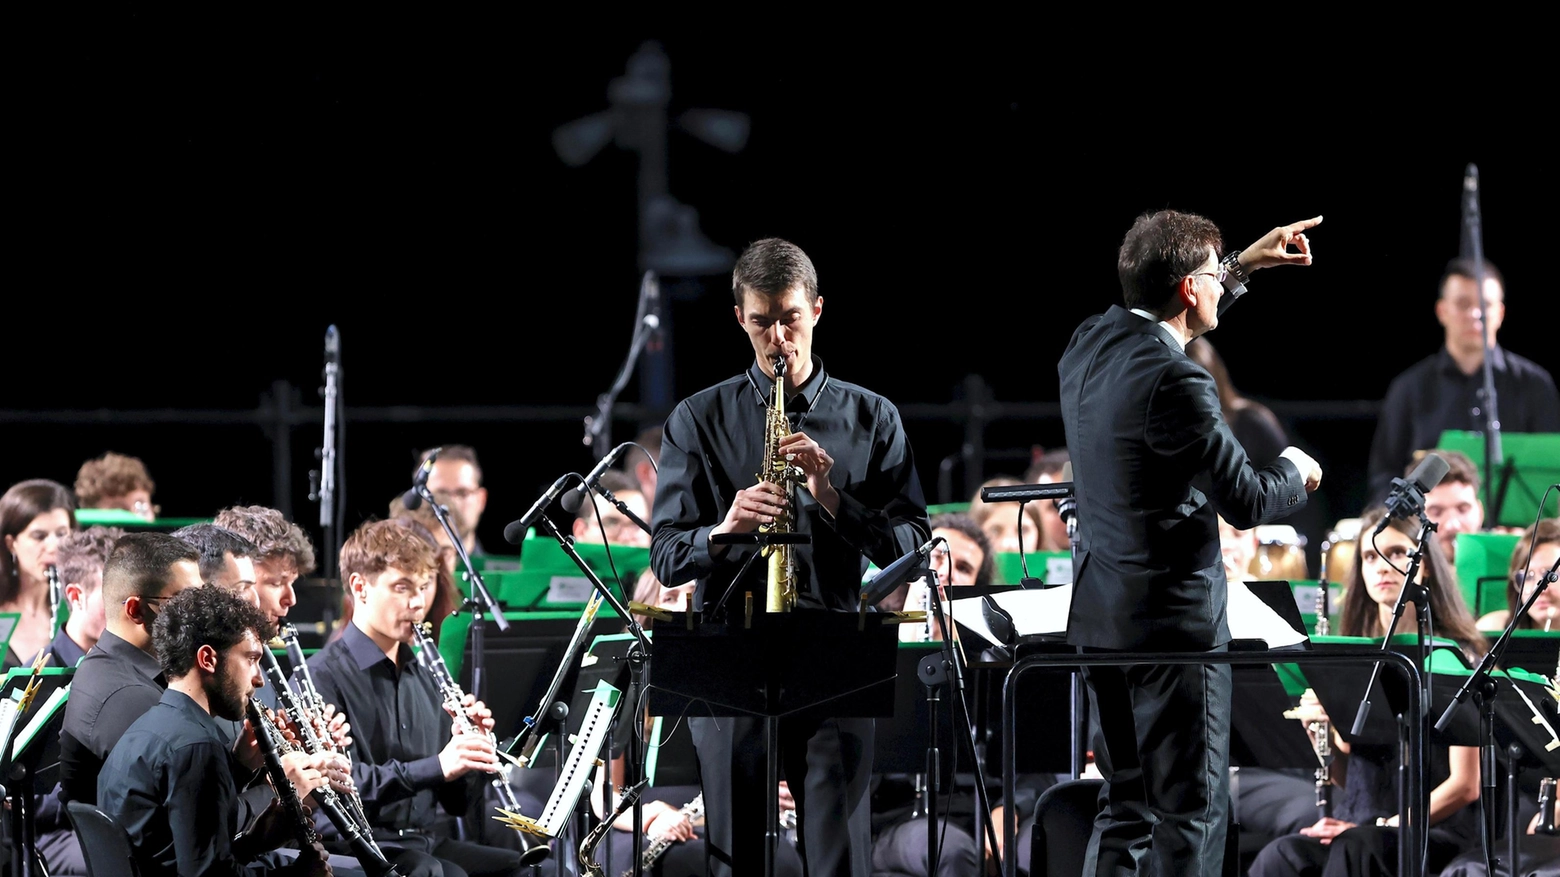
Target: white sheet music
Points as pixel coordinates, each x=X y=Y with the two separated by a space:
x=1044 y=611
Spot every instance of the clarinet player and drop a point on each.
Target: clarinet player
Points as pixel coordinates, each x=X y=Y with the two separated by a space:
x=169 y=781
x=856 y=495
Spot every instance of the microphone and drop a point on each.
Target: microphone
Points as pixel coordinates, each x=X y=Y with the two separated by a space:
x=1067 y=506
x=514 y=534
x=576 y=497
x=898 y=572
x=412 y=499
x=1408 y=494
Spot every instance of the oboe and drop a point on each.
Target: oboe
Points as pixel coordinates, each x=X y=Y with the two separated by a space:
x=656 y=848
x=1321 y=732
x=52 y=573
x=273 y=745
x=450 y=690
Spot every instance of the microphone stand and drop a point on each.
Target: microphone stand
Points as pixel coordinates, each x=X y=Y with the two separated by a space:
x=480 y=599
x=639 y=672
x=951 y=665
x=598 y=427
x=1419 y=595
x=323 y=481
x=1473 y=226
x=1482 y=685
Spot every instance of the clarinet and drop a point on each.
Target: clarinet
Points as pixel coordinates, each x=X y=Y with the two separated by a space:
x=1322 y=731
x=656 y=848
x=265 y=736
x=52 y=573
x=313 y=741
x=450 y=690
x=273 y=745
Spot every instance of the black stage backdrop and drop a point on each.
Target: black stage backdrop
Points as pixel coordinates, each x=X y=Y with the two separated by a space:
x=193 y=201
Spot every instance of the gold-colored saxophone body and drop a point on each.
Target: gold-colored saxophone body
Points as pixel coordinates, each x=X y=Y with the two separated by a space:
x=780 y=590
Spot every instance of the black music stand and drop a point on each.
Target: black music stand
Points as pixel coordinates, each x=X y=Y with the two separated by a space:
x=811 y=663
x=1525 y=742
x=38 y=735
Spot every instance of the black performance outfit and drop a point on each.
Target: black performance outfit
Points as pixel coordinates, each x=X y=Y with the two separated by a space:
x=1434 y=395
x=168 y=783
x=115 y=684
x=1370 y=793
x=712 y=447
x=1152 y=458
x=398 y=729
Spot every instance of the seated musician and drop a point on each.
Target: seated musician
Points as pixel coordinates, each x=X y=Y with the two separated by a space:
x=34 y=516
x=1523 y=578
x=1047 y=469
x=1000 y=520
x=81 y=558
x=899 y=844
x=1453 y=504
x=116 y=481
x=227 y=559
x=1361 y=838
x=619 y=528
x=412 y=771
x=168 y=781
x=120 y=679
x=282 y=554
x=456 y=482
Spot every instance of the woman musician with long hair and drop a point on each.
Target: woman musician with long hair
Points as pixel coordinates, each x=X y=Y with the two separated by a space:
x=1362 y=834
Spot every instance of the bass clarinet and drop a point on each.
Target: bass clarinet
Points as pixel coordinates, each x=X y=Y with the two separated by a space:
x=428 y=653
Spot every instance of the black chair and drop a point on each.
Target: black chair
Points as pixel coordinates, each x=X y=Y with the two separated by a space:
x=104 y=844
x=1064 y=818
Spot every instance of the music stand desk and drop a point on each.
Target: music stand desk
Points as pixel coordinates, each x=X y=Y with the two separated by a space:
x=1408 y=846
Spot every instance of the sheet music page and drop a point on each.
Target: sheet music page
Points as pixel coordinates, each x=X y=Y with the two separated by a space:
x=1038 y=611
x=1250 y=618
x=40 y=717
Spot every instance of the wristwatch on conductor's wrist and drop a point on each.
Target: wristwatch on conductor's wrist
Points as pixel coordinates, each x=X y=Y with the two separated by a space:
x=1236 y=275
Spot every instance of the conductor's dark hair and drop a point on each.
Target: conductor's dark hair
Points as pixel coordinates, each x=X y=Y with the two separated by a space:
x=198 y=617
x=1468 y=268
x=966 y=525
x=214 y=543
x=1159 y=250
x=772 y=267
x=140 y=563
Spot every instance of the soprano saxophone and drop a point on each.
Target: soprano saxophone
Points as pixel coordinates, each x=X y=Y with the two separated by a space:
x=780 y=590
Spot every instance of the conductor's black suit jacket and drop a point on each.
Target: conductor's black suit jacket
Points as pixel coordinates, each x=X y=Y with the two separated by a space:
x=1152 y=461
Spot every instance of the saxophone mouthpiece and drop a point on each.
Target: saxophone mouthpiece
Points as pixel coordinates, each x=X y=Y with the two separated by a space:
x=779 y=364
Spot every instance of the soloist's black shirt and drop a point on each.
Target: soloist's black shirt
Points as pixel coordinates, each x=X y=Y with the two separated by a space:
x=712 y=447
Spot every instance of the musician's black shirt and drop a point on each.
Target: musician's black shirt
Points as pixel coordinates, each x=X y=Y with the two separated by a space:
x=712 y=447
x=398 y=729
x=168 y=784
x=115 y=684
x=1434 y=395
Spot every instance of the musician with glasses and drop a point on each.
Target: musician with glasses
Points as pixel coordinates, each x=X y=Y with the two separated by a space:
x=116 y=481
x=413 y=771
x=456 y=482
x=1153 y=460
x=860 y=499
x=120 y=679
x=169 y=780
x=1523 y=578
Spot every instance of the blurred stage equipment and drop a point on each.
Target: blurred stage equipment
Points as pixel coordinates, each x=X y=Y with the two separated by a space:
x=670 y=242
x=324 y=480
